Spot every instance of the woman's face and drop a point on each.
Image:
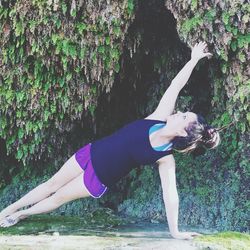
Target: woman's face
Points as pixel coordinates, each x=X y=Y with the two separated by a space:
x=179 y=121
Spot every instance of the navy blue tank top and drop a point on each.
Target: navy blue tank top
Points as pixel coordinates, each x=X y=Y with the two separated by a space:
x=114 y=156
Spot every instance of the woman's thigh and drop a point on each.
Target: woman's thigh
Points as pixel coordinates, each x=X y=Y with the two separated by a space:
x=70 y=170
x=73 y=190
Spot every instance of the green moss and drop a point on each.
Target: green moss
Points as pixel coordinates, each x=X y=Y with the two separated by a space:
x=130 y=6
x=54 y=60
x=65 y=225
x=56 y=76
x=189 y=25
x=226 y=240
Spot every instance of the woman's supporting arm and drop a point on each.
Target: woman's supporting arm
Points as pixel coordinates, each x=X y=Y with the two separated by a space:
x=170 y=194
x=167 y=102
x=171 y=198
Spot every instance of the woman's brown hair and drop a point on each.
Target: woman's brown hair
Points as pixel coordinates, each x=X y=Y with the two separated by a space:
x=200 y=134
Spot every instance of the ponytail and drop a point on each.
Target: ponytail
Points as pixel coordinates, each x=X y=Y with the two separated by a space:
x=211 y=138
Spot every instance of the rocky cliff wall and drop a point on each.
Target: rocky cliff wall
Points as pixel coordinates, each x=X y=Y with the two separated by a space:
x=76 y=71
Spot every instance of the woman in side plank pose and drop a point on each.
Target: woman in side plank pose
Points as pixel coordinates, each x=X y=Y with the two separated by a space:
x=98 y=165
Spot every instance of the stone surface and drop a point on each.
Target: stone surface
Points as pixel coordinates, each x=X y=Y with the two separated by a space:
x=119 y=240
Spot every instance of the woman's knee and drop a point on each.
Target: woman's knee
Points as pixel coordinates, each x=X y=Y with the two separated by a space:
x=51 y=185
x=74 y=189
x=65 y=174
x=59 y=198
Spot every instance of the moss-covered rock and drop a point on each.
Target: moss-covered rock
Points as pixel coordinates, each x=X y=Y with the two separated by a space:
x=73 y=72
x=56 y=58
x=225 y=240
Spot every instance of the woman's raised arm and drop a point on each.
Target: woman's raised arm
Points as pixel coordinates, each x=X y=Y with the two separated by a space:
x=167 y=102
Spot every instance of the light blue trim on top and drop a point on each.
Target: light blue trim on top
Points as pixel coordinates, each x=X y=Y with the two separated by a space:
x=156 y=127
x=164 y=147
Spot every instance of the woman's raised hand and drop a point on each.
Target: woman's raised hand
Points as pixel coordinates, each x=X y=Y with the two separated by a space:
x=198 y=51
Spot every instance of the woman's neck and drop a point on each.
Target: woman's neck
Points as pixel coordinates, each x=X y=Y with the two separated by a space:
x=165 y=134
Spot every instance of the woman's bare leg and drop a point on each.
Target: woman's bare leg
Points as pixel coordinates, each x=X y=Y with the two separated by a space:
x=73 y=190
x=66 y=173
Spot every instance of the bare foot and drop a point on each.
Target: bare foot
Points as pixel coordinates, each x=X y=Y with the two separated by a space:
x=12 y=219
x=7 y=211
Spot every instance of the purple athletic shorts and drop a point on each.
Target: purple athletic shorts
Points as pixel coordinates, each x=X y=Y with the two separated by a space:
x=94 y=186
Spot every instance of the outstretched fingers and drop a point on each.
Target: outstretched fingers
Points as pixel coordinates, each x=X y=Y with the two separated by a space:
x=200 y=45
x=200 y=48
x=195 y=234
x=208 y=55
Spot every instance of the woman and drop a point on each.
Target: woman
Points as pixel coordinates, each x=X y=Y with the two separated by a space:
x=98 y=165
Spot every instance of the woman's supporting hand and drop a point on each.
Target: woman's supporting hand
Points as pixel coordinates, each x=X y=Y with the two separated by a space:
x=185 y=235
x=198 y=51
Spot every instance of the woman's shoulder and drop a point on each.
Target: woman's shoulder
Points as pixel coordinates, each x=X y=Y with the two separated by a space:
x=166 y=160
x=156 y=117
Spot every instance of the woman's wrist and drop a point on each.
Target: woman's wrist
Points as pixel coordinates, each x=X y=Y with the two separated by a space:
x=174 y=232
x=194 y=60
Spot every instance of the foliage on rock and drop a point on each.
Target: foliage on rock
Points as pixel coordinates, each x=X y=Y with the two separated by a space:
x=56 y=58
x=212 y=186
x=225 y=27
x=62 y=56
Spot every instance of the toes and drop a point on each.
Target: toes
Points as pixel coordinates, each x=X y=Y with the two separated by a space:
x=2 y=223
x=8 y=221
